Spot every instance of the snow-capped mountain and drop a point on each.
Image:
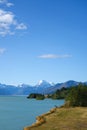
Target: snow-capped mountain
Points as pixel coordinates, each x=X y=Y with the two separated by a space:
x=42 y=87
x=44 y=84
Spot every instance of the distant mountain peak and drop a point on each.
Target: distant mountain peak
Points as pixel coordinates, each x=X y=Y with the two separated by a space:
x=41 y=82
x=51 y=83
x=44 y=83
x=43 y=87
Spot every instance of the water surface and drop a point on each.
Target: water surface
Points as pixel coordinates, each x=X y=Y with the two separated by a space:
x=16 y=112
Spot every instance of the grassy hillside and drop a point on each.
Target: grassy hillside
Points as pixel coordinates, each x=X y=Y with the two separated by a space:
x=65 y=119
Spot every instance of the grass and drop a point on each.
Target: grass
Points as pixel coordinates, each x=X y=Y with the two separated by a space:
x=65 y=119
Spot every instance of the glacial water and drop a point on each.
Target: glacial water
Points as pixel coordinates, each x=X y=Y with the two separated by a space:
x=16 y=112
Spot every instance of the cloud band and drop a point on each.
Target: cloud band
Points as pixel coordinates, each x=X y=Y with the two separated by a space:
x=53 y=56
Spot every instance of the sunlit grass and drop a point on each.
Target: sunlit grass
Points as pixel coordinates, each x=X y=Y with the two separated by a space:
x=66 y=119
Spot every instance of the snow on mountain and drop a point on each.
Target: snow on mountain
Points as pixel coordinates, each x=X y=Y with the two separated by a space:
x=42 y=87
x=24 y=85
x=43 y=83
x=40 y=82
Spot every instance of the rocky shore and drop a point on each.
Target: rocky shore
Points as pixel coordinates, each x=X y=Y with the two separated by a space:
x=62 y=118
x=40 y=119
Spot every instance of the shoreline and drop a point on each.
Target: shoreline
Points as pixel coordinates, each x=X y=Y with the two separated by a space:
x=74 y=118
x=40 y=119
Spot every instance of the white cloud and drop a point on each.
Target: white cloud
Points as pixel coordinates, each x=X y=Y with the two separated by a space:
x=5 y=2
x=53 y=56
x=2 y=1
x=21 y=26
x=6 y=17
x=9 y=4
x=8 y=23
x=2 y=50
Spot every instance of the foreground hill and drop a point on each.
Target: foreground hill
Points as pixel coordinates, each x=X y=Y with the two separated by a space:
x=65 y=119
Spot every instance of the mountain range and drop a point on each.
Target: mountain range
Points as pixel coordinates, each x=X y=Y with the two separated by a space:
x=42 y=87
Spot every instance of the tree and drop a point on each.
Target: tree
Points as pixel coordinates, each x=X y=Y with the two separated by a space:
x=77 y=95
x=36 y=96
x=60 y=94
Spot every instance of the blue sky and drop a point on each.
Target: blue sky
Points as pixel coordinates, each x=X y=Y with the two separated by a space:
x=43 y=39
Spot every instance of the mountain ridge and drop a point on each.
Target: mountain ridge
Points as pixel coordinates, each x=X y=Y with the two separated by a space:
x=42 y=87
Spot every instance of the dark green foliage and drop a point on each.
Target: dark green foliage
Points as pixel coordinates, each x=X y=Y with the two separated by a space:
x=74 y=96
x=40 y=97
x=60 y=94
x=77 y=96
x=36 y=96
x=32 y=95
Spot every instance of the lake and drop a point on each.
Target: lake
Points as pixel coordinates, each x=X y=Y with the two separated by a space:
x=16 y=112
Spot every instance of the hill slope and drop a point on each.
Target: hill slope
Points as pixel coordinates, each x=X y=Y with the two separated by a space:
x=65 y=119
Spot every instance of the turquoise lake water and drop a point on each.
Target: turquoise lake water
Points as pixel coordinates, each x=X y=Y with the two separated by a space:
x=16 y=112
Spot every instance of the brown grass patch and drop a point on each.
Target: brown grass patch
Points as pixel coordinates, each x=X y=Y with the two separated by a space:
x=65 y=119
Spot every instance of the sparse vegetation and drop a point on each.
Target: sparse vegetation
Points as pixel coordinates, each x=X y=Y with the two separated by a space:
x=72 y=115
x=65 y=119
